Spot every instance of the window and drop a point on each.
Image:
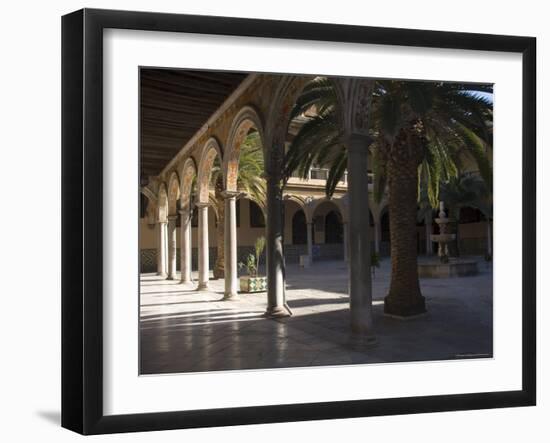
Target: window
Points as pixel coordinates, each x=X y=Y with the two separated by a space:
x=319 y=174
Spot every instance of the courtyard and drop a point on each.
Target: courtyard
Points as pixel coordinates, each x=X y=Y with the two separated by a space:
x=185 y=330
x=271 y=170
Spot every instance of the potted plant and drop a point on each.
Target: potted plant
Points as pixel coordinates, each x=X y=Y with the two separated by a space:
x=252 y=282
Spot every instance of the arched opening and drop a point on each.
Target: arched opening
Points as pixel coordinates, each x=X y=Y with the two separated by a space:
x=244 y=176
x=173 y=194
x=250 y=223
x=334 y=229
x=472 y=232
x=314 y=148
x=209 y=170
x=173 y=215
x=256 y=218
x=299 y=228
x=210 y=184
x=470 y=215
x=162 y=232
x=188 y=217
x=162 y=204
x=244 y=154
x=294 y=230
x=328 y=231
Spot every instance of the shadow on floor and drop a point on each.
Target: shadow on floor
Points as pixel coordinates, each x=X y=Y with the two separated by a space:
x=53 y=417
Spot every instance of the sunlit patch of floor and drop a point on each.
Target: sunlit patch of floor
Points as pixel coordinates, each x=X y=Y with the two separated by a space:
x=185 y=330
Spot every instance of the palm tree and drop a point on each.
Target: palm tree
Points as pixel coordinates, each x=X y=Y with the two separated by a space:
x=250 y=182
x=420 y=131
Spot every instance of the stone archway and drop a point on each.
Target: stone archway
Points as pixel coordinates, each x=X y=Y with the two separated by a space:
x=287 y=92
x=188 y=175
x=246 y=120
x=329 y=229
x=210 y=153
x=243 y=124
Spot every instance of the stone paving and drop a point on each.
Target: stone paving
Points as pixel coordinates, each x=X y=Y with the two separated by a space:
x=183 y=330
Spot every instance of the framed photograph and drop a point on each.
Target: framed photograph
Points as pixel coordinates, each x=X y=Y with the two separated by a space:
x=269 y=221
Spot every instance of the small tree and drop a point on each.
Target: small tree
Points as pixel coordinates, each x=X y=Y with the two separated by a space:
x=259 y=247
x=249 y=265
x=252 y=263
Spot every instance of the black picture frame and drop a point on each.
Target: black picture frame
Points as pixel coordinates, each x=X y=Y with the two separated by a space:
x=82 y=155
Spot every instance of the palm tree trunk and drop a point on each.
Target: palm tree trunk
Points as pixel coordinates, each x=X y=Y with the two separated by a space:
x=404 y=298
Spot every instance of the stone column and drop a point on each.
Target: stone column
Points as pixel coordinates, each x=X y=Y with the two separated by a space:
x=377 y=235
x=185 y=246
x=161 y=249
x=360 y=284
x=310 y=241
x=274 y=246
x=204 y=271
x=172 y=247
x=346 y=242
x=490 y=238
x=230 y=245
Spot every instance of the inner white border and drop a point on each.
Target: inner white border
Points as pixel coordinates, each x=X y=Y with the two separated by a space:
x=126 y=392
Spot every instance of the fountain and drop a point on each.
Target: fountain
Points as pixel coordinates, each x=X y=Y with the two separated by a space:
x=445 y=266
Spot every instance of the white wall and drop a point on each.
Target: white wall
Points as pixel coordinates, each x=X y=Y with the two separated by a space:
x=30 y=283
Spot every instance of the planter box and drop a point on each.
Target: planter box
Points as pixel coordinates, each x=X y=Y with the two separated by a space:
x=253 y=284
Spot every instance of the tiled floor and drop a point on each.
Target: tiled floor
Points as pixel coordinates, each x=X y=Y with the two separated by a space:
x=183 y=330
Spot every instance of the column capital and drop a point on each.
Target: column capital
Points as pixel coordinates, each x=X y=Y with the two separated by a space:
x=202 y=204
x=160 y=222
x=172 y=218
x=230 y=194
x=184 y=211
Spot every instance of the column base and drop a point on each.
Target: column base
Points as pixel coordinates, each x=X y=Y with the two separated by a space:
x=359 y=341
x=230 y=297
x=276 y=312
x=404 y=308
x=171 y=277
x=202 y=286
x=161 y=274
x=185 y=281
